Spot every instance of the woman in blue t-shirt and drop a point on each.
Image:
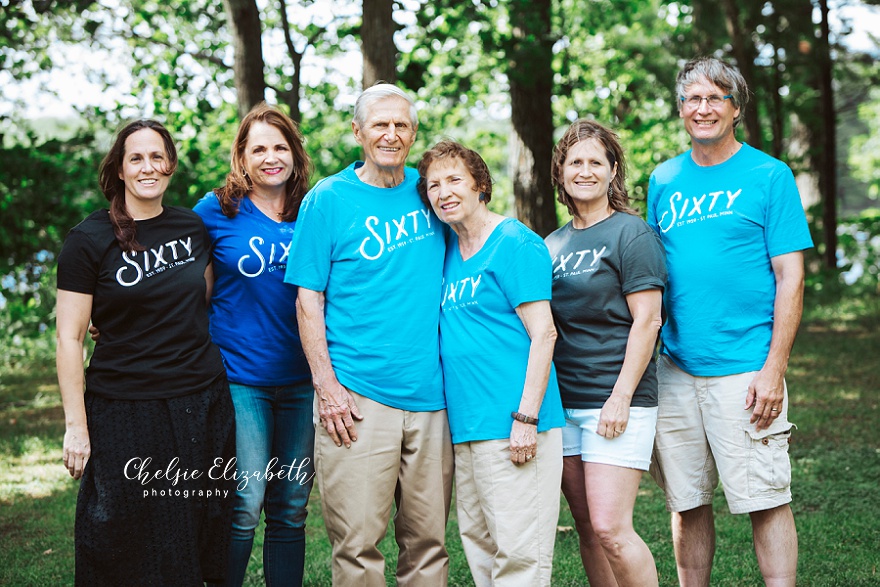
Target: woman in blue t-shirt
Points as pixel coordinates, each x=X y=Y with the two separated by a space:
x=608 y=279
x=502 y=401
x=250 y=221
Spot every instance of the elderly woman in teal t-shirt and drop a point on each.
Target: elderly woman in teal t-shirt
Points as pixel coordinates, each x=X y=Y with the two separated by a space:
x=496 y=345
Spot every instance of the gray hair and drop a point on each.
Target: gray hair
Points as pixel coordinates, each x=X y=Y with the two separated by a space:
x=377 y=92
x=719 y=73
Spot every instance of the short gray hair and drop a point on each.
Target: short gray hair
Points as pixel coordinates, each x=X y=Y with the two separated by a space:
x=723 y=75
x=377 y=92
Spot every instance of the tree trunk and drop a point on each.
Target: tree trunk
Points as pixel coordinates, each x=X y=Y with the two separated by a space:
x=828 y=169
x=530 y=73
x=291 y=97
x=744 y=53
x=243 y=17
x=377 y=42
x=778 y=122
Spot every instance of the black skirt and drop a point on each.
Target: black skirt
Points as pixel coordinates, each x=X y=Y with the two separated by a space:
x=151 y=510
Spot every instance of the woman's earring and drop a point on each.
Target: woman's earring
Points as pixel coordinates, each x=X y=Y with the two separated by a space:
x=482 y=196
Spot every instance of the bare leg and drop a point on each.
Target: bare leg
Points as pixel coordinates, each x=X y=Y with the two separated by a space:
x=693 y=535
x=611 y=496
x=776 y=545
x=593 y=558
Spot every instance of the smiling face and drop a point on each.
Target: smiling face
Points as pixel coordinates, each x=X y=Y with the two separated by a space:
x=386 y=134
x=452 y=191
x=707 y=125
x=268 y=160
x=586 y=175
x=144 y=169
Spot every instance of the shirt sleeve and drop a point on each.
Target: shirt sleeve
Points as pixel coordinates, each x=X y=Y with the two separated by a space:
x=786 y=228
x=207 y=210
x=528 y=275
x=311 y=247
x=643 y=264
x=78 y=264
x=652 y=204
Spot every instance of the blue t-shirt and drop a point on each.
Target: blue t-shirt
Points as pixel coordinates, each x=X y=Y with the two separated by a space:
x=483 y=343
x=377 y=254
x=720 y=226
x=253 y=312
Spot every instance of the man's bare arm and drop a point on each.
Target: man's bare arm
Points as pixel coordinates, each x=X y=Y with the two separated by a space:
x=336 y=406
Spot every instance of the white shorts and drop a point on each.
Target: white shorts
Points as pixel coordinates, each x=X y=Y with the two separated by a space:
x=632 y=449
x=704 y=433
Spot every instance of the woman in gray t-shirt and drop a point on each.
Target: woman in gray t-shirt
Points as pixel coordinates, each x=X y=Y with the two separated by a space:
x=608 y=279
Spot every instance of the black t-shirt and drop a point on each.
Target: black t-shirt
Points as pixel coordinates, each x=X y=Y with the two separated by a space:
x=148 y=305
x=594 y=269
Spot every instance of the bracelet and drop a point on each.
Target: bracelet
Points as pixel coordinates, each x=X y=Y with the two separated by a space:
x=523 y=418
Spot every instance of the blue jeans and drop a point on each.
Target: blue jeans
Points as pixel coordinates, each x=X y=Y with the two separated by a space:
x=272 y=423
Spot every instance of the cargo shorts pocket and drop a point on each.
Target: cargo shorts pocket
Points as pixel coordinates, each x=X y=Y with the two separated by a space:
x=769 y=468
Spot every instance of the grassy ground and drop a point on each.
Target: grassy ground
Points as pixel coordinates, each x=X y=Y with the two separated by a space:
x=834 y=379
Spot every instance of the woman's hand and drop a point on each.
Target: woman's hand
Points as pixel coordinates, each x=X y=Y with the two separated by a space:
x=77 y=449
x=523 y=442
x=614 y=417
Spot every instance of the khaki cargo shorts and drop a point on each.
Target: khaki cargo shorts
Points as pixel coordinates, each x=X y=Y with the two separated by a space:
x=703 y=434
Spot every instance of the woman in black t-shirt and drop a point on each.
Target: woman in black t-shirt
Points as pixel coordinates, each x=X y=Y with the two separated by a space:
x=151 y=418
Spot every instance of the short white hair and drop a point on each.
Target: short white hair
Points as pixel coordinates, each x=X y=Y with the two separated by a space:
x=377 y=92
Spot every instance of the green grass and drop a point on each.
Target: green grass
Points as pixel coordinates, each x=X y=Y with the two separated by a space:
x=834 y=383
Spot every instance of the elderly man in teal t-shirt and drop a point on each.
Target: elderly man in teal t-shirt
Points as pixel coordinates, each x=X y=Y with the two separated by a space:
x=367 y=256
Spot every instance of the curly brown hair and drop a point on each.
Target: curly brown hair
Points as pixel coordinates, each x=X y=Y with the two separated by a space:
x=583 y=130
x=113 y=188
x=446 y=150
x=238 y=184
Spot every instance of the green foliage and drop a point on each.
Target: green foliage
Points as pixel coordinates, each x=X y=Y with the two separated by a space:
x=619 y=69
x=864 y=157
x=45 y=189
x=857 y=276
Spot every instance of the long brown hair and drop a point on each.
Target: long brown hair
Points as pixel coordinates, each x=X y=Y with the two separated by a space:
x=124 y=226
x=238 y=184
x=582 y=130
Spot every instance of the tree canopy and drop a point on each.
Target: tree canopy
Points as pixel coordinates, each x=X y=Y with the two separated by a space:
x=503 y=76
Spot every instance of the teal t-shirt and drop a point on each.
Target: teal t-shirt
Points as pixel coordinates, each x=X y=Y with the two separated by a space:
x=377 y=254
x=483 y=343
x=720 y=226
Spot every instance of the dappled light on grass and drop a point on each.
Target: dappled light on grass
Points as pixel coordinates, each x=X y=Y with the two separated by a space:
x=37 y=472
x=30 y=439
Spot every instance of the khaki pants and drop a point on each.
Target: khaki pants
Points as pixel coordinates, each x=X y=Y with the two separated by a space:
x=507 y=513
x=400 y=457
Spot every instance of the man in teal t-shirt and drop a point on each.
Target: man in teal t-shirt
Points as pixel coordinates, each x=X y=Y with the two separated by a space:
x=733 y=228
x=367 y=256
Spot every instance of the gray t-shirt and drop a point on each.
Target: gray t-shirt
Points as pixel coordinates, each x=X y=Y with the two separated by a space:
x=593 y=271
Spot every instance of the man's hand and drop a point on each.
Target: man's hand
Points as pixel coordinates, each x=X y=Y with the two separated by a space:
x=338 y=411
x=766 y=393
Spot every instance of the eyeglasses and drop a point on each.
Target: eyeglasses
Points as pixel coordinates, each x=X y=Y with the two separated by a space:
x=694 y=102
